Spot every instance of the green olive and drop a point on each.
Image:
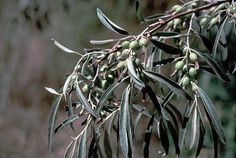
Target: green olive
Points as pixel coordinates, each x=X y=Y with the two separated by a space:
x=143 y=42
x=110 y=78
x=193 y=57
x=104 y=84
x=185 y=81
x=185 y=68
x=185 y=50
x=122 y=64
x=194 y=4
x=213 y=22
x=179 y=65
x=125 y=44
x=203 y=21
x=178 y=9
x=192 y=72
x=103 y=68
x=220 y=7
x=118 y=54
x=175 y=7
x=233 y=9
x=85 y=88
x=133 y=45
x=177 y=22
x=137 y=61
x=125 y=54
x=110 y=56
x=170 y=23
x=73 y=77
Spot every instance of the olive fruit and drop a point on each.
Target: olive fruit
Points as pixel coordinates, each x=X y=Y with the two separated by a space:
x=125 y=54
x=118 y=54
x=170 y=24
x=233 y=9
x=185 y=81
x=125 y=44
x=110 y=56
x=73 y=77
x=175 y=7
x=192 y=72
x=185 y=67
x=185 y=50
x=104 y=83
x=85 y=88
x=137 y=61
x=122 y=64
x=203 y=21
x=179 y=65
x=143 y=42
x=178 y=9
x=110 y=78
x=213 y=22
x=194 y=4
x=177 y=21
x=193 y=57
x=133 y=45
x=103 y=68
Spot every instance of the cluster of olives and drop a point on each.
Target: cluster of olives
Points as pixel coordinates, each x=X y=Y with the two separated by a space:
x=191 y=72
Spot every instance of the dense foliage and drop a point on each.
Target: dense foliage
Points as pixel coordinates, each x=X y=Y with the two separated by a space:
x=121 y=80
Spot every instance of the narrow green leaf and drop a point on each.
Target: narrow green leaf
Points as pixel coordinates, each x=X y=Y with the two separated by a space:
x=166 y=48
x=177 y=89
x=52 y=119
x=138 y=10
x=109 y=24
x=163 y=136
x=66 y=85
x=219 y=73
x=201 y=138
x=102 y=42
x=175 y=137
x=105 y=96
x=212 y=115
x=219 y=37
x=147 y=138
x=66 y=122
x=193 y=133
x=53 y=91
x=83 y=145
x=207 y=43
x=165 y=34
x=63 y=47
x=215 y=142
x=154 y=99
x=84 y=101
x=123 y=118
x=132 y=71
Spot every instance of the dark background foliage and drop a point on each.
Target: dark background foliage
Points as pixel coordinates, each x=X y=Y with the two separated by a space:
x=30 y=61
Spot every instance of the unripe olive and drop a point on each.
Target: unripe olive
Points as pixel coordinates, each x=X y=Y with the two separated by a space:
x=170 y=23
x=194 y=88
x=143 y=42
x=73 y=77
x=185 y=50
x=177 y=21
x=85 y=88
x=104 y=83
x=194 y=4
x=185 y=81
x=103 y=68
x=203 y=21
x=118 y=54
x=233 y=9
x=179 y=65
x=125 y=54
x=192 y=72
x=193 y=57
x=125 y=44
x=122 y=64
x=213 y=22
x=219 y=7
x=185 y=67
x=184 y=25
x=78 y=67
x=133 y=45
x=178 y=9
x=175 y=7
x=110 y=77
x=137 y=61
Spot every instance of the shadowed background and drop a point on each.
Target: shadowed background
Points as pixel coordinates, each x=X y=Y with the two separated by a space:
x=29 y=61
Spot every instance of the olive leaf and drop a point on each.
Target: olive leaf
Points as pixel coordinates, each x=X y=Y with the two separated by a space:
x=212 y=115
x=123 y=121
x=63 y=47
x=163 y=62
x=67 y=152
x=84 y=101
x=109 y=24
x=82 y=147
x=169 y=83
x=66 y=122
x=52 y=119
x=138 y=10
x=166 y=48
x=102 y=42
x=147 y=138
x=201 y=138
x=162 y=132
x=51 y=90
